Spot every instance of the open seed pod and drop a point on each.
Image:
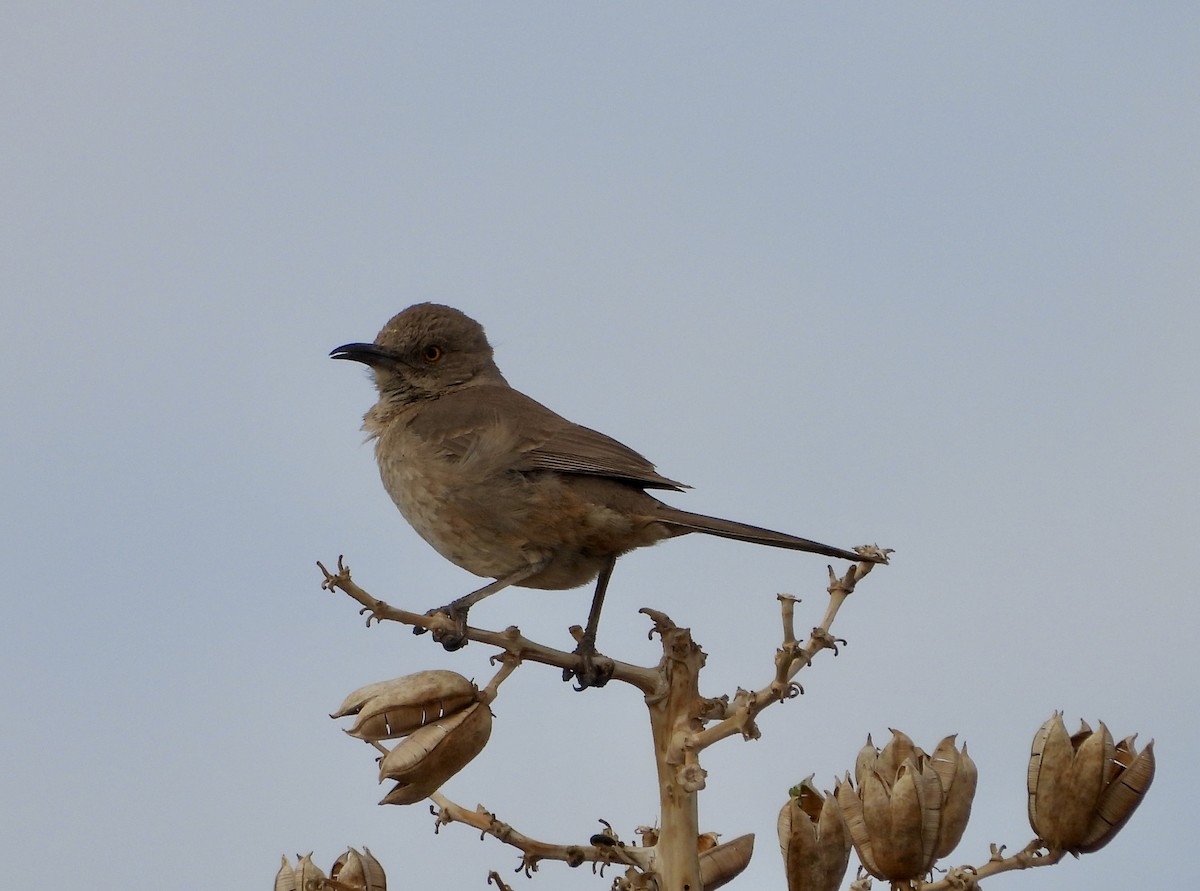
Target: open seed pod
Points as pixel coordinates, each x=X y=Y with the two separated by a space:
x=395 y=708
x=894 y=825
x=959 y=777
x=724 y=862
x=285 y=879
x=886 y=761
x=1083 y=788
x=304 y=875
x=359 y=871
x=434 y=753
x=813 y=840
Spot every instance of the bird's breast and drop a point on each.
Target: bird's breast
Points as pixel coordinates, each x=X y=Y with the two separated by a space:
x=491 y=520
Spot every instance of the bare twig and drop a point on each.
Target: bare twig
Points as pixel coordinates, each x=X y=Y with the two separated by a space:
x=510 y=639
x=967 y=878
x=532 y=850
x=790 y=659
x=508 y=664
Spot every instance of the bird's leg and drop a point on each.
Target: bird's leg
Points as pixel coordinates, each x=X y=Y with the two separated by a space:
x=456 y=638
x=594 y=669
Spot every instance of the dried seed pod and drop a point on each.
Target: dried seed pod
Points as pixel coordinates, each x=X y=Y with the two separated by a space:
x=434 y=753
x=374 y=870
x=813 y=840
x=285 y=879
x=302 y=877
x=1127 y=783
x=395 y=708
x=1083 y=788
x=361 y=872
x=864 y=763
x=649 y=835
x=909 y=808
x=725 y=862
x=892 y=756
x=959 y=777
x=904 y=828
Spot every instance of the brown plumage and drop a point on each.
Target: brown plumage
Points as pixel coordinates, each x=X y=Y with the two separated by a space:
x=503 y=486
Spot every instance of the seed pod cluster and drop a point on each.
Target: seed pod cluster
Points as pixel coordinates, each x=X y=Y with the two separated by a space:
x=813 y=840
x=909 y=808
x=1084 y=788
x=304 y=875
x=440 y=719
x=360 y=871
x=353 y=871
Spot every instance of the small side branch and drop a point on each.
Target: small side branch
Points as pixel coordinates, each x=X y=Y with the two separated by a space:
x=510 y=639
x=967 y=878
x=790 y=659
x=532 y=850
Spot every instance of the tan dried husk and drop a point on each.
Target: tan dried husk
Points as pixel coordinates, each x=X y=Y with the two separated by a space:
x=959 y=777
x=1083 y=788
x=887 y=761
x=285 y=879
x=1065 y=779
x=1127 y=785
x=434 y=753
x=852 y=815
x=398 y=707
x=909 y=808
x=305 y=874
x=903 y=821
x=360 y=871
x=813 y=840
x=725 y=862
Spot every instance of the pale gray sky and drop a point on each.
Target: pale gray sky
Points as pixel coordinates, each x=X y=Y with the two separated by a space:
x=916 y=274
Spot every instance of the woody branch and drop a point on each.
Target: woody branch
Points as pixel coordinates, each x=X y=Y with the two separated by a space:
x=532 y=851
x=790 y=659
x=510 y=639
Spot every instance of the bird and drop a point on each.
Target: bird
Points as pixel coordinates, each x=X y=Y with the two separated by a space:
x=507 y=489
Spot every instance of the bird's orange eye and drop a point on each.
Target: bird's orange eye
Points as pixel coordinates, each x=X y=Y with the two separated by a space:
x=432 y=353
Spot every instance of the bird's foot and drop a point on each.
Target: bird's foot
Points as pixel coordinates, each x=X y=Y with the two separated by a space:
x=594 y=669
x=451 y=631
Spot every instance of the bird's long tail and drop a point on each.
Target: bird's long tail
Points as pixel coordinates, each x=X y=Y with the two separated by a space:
x=685 y=521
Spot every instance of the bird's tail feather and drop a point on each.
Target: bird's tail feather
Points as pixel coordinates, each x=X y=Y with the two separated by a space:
x=686 y=521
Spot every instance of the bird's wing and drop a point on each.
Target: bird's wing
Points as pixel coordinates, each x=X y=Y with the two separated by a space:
x=577 y=449
x=462 y=422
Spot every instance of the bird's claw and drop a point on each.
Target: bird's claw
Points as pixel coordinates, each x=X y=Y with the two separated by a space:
x=593 y=669
x=451 y=629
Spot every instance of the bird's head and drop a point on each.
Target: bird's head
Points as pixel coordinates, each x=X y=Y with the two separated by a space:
x=423 y=352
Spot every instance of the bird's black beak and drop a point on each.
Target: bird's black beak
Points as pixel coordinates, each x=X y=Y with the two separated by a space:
x=367 y=353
